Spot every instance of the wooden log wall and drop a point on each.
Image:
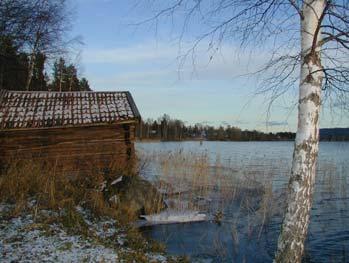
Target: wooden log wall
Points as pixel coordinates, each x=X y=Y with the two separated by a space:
x=74 y=150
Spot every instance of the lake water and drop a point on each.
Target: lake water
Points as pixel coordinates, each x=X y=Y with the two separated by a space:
x=249 y=235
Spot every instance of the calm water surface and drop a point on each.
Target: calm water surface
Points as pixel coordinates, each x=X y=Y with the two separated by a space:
x=236 y=239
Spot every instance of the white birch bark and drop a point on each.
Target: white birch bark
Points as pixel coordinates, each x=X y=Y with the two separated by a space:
x=30 y=71
x=301 y=185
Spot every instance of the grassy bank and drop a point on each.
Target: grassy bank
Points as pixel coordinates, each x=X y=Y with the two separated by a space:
x=70 y=213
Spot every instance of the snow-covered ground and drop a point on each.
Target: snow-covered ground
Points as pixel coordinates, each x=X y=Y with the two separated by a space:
x=25 y=239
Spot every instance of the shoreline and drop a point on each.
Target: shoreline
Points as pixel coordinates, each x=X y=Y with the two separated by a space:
x=194 y=140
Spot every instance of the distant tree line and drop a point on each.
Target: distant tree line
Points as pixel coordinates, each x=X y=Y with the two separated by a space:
x=168 y=129
x=32 y=32
x=334 y=134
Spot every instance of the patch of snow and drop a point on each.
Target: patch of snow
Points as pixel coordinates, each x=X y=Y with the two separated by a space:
x=114 y=199
x=25 y=239
x=20 y=241
x=157 y=258
x=117 y=181
x=103 y=186
x=121 y=239
x=103 y=228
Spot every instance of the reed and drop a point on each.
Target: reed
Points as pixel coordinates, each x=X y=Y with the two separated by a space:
x=191 y=180
x=250 y=193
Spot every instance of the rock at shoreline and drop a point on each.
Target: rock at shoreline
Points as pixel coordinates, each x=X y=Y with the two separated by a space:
x=136 y=195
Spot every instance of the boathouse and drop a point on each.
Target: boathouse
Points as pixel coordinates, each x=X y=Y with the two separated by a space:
x=77 y=130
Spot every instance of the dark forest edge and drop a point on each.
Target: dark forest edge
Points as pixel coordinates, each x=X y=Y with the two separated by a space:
x=166 y=128
x=14 y=72
x=34 y=41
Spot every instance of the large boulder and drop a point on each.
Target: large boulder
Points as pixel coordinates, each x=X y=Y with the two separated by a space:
x=134 y=196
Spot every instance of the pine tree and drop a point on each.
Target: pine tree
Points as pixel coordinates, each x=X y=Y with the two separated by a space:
x=84 y=85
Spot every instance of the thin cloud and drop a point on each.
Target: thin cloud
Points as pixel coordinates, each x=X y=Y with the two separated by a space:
x=141 y=53
x=134 y=79
x=202 y=64
x=277 y=123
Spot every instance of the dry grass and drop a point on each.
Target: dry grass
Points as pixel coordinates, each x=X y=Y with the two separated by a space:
x=26 y=181
x=53 y=188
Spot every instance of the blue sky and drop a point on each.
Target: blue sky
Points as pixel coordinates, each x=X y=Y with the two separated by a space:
x=145 y=60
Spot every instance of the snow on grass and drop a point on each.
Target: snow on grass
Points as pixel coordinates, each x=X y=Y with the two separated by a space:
x=27 y=239
x=21 y=240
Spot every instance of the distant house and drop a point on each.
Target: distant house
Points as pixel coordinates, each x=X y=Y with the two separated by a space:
x=78 y=130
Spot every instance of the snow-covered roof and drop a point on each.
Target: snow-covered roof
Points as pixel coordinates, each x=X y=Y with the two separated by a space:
x=48 y=109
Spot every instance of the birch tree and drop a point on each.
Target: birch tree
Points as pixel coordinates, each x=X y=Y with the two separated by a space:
x=36 y=28
x=48 y=22
x=310 y=43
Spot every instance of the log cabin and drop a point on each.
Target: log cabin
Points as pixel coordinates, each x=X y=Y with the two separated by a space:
x=77 y=130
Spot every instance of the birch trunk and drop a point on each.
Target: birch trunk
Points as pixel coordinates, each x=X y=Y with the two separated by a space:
x=30 y=71
x=301 y=185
